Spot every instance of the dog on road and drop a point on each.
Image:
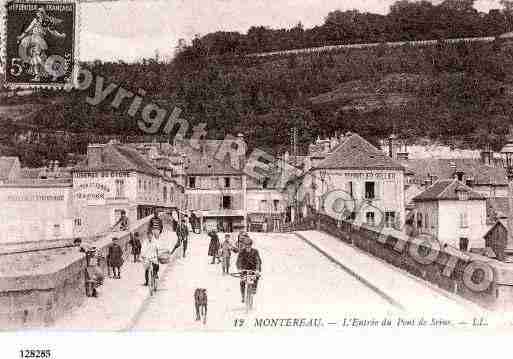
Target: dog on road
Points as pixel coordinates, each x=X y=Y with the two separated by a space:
x=201 y=304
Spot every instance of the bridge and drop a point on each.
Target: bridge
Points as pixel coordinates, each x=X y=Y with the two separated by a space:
x=309 y=279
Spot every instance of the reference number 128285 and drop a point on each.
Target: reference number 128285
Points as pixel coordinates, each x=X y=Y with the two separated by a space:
x=35 y=353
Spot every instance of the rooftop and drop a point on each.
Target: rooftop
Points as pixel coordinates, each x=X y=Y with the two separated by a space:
x=356 y=152
x=447 y=190
x=117 y=157
x=445 y=169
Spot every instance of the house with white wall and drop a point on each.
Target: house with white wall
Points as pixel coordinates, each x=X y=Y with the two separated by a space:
x=453 y=213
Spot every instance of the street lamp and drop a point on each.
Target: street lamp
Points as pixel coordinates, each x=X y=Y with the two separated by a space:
x=507 y=151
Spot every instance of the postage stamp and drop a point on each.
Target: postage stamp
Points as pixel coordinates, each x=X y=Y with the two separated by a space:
x=40 y=43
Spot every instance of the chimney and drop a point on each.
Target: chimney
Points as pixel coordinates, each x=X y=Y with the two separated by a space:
x=242 y=148
x=391 y=146
x=94 y=155
x=286 y=157
x=459 y=175
x=487 y=155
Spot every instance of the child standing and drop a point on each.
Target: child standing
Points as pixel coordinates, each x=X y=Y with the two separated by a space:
x=135 y=242
x=116 y=258
x=226 y=252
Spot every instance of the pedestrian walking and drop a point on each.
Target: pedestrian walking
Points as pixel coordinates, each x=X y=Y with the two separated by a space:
x=155 y=226
x=213 y=247
x=184 y=234
x=116 y=258
x=135 y=243
x=226 y=252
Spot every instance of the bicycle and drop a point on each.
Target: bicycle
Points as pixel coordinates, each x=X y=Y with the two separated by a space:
x=250 y=277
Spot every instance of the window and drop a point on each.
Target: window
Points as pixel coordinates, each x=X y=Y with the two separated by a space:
x=369 y=190
x=120 y=188
x=350 y=188
x=265 y=183
x=140 y=184
x=463 y=195
x=192 y=182
x=370 y=218
x=463 y=244
x=389 y=219
x=77 y=222
x=263 y=205
x=227 y=182
x=164 y=190
x=56 y=230
x=426 y=221
x=276 y=204
x=227 y=202
x=419 y=220
x=464 y=220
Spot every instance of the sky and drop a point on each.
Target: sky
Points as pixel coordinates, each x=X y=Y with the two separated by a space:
x=131 y=29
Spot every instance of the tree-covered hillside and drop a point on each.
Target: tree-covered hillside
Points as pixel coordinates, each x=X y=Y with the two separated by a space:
x=458 y=93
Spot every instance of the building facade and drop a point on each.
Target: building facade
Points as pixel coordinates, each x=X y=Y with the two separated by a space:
x=369 y=183
x=36 y=210
x=116 y=178
x=452 y=213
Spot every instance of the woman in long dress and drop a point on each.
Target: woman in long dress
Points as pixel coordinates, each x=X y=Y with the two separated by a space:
x=33 y=46
x=213 y=247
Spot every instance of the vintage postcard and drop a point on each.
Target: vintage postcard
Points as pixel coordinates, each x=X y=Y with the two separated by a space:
x=256 y=167
x=40 y=43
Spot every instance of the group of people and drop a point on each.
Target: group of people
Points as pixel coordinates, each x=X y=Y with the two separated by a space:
x=248 y=258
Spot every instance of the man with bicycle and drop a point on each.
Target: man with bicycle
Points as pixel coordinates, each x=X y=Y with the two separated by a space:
x=248 y=260
x=149 y=255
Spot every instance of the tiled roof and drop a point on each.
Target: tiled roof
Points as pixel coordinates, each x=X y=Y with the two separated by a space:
x=446 y=190
x=199 y=164
x=202 y=161
x=6 y=165
x=356 y=152
x=120 y=158
x=445 y=168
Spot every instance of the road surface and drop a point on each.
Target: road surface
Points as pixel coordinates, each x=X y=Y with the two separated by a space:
x=297 y=282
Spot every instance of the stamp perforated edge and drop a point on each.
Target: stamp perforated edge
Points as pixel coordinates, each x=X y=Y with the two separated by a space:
x=76 y=47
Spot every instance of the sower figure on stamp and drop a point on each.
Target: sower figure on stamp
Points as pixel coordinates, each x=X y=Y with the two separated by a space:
x=32 y=42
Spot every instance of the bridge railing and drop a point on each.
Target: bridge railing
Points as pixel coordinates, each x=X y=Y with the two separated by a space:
x=446 y=268
x=52 y=282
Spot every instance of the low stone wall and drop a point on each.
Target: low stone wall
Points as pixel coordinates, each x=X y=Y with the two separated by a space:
x=38 y=299
x=444 y=268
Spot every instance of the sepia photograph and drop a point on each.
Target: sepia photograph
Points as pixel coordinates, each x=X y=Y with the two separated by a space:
x=256 y=168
